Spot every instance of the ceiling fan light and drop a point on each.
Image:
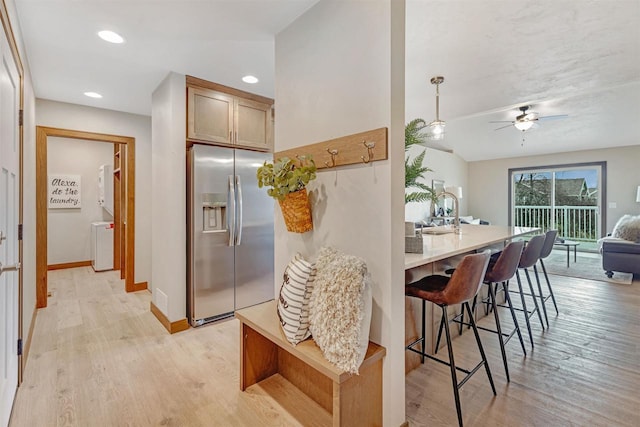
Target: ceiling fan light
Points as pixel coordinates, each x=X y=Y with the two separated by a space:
x=523 y=126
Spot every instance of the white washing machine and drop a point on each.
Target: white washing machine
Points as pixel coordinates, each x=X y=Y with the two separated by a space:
x=102 y=246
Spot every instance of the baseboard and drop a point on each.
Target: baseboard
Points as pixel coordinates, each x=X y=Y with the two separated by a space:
x=64 y=265
x=172 y=327
x=141 y=286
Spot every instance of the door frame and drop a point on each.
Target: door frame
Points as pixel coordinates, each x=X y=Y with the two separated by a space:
x=8 y=31
x=42 y=135
x=602 y=190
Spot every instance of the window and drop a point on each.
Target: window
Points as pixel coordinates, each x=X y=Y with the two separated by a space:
x=566 y=197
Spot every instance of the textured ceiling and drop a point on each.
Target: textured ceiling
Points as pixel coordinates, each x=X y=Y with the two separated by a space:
x=577 y=57
x=580 y=58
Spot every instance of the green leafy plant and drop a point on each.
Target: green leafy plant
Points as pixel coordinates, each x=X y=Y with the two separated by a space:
x=414 y=169
x=284 y=176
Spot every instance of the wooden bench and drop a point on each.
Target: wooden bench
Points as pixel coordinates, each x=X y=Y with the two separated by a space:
x=342 y=399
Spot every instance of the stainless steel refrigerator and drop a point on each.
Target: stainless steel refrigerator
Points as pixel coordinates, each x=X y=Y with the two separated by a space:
x=230 y=233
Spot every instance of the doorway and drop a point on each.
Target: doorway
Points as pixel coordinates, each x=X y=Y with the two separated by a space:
x=127 y=232
x=568 y=198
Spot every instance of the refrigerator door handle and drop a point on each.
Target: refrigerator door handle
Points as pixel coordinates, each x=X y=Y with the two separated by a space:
x=239 y=210
x=231 y=209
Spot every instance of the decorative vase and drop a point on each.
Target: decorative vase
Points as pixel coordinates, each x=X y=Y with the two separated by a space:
x=297 y=211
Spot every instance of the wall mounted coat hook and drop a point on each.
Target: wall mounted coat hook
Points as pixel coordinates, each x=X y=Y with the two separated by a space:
x=369 y=146
x=333 y=153
x=349 y=148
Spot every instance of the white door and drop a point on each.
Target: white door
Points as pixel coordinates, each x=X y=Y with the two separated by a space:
x=9 y=199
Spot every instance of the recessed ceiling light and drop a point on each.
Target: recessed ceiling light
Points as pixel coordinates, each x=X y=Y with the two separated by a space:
x=110 y=36
x=250 y=79
x=93 y=95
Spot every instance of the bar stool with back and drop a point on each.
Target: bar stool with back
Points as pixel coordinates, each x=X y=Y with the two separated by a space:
x=501 y=271
x=549 y=241
x=444 y=291
x=530 y=255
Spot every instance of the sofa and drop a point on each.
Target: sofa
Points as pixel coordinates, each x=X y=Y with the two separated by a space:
x=621 y=250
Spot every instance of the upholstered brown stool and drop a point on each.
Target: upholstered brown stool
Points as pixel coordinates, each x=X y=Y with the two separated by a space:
x=444 y=291
x=530 y=255
x=501 y=271
x=549 y=240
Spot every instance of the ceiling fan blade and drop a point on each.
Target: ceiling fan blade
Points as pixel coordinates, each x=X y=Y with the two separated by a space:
x=504 y=127
x=559 y=116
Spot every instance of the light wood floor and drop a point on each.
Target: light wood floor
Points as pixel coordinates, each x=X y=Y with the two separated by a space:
x=584 y=370
x=100 y=358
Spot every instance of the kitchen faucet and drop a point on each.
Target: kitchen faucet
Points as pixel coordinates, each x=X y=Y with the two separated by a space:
x=456 y=221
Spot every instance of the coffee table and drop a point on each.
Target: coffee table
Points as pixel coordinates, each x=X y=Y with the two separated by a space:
x=569 y=244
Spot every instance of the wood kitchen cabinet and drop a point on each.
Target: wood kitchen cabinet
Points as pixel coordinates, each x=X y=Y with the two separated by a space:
x=228 y=119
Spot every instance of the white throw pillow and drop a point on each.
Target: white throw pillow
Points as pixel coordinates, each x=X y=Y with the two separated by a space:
x=293 y=302
x=365 y=326
x=340 y=308
x=627 y=228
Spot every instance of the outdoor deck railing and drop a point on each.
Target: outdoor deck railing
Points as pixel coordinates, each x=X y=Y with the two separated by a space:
x=572 y=222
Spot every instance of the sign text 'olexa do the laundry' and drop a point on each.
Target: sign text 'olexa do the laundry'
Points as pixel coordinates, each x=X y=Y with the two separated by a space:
x=64 y=191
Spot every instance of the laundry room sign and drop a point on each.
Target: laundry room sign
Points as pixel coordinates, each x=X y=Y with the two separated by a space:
x=64 y=192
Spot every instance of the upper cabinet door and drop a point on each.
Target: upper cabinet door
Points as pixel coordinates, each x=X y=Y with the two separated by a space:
x=253 y=123
x=210 y=116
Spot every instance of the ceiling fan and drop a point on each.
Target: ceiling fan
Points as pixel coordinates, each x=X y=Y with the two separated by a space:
x=527 y=120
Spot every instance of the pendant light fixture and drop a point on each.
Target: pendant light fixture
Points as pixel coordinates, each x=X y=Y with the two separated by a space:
x=436 y=127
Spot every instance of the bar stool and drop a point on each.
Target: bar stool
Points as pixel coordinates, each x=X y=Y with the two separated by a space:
x=500 y=271
x=530 y=255
x=444 y=291
x=549 y=240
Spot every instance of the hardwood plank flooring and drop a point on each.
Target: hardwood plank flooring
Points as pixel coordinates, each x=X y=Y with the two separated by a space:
x=100 y=358
x=584 y=370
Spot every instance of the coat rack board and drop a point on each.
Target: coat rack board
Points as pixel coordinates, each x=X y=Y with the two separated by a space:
x=363 y=147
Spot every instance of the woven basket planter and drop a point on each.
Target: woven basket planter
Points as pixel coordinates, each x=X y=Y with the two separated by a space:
x=297 y=211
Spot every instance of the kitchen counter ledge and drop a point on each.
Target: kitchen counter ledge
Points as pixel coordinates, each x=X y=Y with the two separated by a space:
x=437 y=247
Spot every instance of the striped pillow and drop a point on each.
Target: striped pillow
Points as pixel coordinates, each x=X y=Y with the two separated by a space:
x=293 y=303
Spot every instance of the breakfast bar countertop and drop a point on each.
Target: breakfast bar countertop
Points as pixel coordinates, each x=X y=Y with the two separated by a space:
x=437 y=247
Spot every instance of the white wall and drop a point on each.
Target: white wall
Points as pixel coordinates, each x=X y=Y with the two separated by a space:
x=69 y=230
x=450 y=168
x=78 y=117
x=337 y=74
x=489 y=180
x=169 y=197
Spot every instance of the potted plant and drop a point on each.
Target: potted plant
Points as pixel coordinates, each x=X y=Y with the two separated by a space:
x=288 y=182
x=414 y=169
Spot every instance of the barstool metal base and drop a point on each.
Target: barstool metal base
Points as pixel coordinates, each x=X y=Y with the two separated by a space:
x=527 y=313
x=551 y=295
x=451 y=363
